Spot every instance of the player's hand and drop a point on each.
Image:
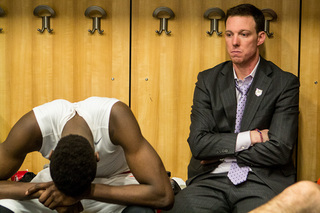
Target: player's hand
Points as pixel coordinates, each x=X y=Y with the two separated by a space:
x=37 y=189
x=51 y=197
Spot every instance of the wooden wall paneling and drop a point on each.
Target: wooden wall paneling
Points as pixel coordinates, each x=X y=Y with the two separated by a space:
x=69 y=63
x=164 y=68
x=4 y=76
x=309 y=131
x=103 y=57
x=63 y=53
x=17 y=69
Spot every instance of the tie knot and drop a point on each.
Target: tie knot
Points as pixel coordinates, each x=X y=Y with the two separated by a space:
x=244 y=85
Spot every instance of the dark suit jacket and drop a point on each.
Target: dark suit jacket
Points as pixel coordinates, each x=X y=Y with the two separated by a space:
x=213 y=121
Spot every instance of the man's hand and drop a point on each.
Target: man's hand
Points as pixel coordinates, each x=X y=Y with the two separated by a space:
x=52 y=198
x=259 y=136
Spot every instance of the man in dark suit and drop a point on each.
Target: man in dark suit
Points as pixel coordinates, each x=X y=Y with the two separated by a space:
x=260 y=145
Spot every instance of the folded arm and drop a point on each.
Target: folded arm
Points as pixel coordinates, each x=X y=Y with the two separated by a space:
x=210 y=137
x=283 y=131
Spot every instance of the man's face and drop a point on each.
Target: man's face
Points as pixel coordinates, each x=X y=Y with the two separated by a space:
x=242 y=39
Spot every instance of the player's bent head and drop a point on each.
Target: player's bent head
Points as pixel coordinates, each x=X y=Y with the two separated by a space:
x=73 y=165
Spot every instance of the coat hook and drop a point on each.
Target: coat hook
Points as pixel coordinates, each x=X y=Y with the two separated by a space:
x=45 y=12
x=270 y=15
x=96 y=13
x=214 y=15
x=164 y=14
x=2 y=13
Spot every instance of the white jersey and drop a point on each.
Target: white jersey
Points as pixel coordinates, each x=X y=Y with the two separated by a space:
x=53 y=116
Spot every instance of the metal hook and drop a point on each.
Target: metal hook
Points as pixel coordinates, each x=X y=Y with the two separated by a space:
x=2 y=13
x=45 y=12
x=164 y=14
x=96 y=13
x=269 y=13
x=210 y=14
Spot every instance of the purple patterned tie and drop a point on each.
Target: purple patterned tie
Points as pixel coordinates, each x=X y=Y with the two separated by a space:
x=238 y=174
x=243 y=90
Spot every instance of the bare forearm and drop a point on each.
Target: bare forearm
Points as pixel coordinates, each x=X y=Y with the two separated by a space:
x=138 y=194
x=304 y=196
x=14 y=190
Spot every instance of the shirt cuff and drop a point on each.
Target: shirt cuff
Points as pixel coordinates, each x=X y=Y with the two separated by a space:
x=243 y=141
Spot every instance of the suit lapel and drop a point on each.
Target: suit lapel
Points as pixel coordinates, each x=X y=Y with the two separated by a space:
x=228 y=94
x=258 y=89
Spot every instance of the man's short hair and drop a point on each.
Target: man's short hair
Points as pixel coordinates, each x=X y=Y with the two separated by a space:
x=73 y=165
x=248 y=10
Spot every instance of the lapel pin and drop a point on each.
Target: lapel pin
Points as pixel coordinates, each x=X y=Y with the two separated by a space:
x=258 y=92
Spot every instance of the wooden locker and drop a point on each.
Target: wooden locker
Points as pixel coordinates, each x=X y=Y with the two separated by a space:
x=309 y=131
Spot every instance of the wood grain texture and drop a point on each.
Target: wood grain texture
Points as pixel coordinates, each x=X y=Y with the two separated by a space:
x=309 y=131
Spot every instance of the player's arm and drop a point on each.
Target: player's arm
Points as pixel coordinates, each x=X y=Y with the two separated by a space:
x=154 y=189
x=24 y=137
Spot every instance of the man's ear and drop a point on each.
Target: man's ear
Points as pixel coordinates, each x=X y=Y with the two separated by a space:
x=261 y=38
x=97 y=156
x=51 y=154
